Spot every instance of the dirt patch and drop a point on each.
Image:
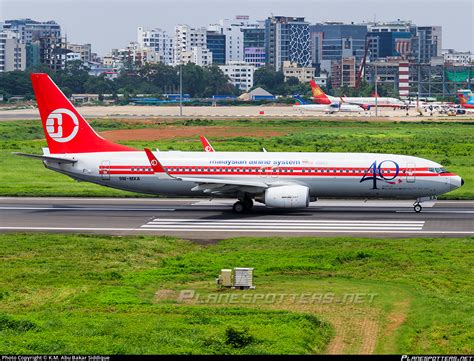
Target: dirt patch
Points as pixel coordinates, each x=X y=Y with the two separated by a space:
x=163 y=295
x=394 y=320
x=151 y=134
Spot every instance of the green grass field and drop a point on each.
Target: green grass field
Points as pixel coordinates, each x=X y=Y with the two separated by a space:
x=69 y=294
x=451 y=144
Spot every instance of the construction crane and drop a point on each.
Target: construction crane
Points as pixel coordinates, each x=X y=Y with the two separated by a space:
x=362 y=64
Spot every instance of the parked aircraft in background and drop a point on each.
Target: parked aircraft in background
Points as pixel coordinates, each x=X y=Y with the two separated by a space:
x=365 y=102
x=276 y=179
x=301 y=104
x=339 y=105
x=467 y=103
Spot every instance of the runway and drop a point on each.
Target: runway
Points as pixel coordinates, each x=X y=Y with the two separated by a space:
x=201 y=219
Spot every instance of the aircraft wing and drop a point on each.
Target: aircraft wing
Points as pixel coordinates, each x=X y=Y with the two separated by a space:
x=48 y=158
x=206 y=184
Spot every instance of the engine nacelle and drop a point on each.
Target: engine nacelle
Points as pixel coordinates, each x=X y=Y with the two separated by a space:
x=287 y=197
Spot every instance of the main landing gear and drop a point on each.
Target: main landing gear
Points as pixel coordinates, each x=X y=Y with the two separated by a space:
x=242 y=206
x=417 y=207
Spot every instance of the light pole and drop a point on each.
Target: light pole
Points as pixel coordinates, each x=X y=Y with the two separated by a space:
x=180 y=89
x=376 y=93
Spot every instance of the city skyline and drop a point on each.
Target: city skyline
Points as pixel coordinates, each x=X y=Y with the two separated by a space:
x=113 y=24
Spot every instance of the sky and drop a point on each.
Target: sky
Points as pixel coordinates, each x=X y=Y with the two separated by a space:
x=111 y=24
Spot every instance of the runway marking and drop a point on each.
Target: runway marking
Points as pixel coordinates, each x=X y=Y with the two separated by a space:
x=86 y=209
x=279 y=221
x=434 y=211
x=248 y=225
x=98 y=229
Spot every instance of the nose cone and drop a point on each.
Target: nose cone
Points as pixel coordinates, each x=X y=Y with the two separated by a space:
x=456 y=182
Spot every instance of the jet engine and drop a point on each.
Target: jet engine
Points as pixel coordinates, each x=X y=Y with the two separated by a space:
x=294 y=196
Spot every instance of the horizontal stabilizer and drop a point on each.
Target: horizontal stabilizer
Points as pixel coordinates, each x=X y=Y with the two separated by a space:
x=48 y=158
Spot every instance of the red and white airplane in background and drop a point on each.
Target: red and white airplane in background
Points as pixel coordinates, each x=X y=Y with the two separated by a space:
x=283 y=180
x=320 y=97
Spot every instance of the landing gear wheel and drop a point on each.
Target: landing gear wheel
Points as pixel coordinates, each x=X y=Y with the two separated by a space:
x=248 y=204
x=417 y=207
x=238 y=207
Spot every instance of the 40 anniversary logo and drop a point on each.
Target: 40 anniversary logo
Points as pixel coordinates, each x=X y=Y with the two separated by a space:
x=378 y=173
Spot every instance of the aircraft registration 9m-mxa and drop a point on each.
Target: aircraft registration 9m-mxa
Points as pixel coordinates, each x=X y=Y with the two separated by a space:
x=281 y=180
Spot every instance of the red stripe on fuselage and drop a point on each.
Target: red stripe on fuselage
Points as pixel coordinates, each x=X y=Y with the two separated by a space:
x=281 y=171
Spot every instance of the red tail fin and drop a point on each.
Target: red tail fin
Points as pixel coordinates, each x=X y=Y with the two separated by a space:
x=318 y=95
x=65 y=129
x=462 y=98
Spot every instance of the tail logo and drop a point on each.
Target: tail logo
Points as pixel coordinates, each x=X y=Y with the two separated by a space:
x=208 y=148
x=62 y=125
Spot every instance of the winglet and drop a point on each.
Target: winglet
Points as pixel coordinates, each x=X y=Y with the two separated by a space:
x=156 y=165
x=205 y=143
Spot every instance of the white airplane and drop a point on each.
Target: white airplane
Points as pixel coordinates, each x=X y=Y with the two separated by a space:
x=333 y=105
x=281 y=180
x=329 y=108
x=365 y=102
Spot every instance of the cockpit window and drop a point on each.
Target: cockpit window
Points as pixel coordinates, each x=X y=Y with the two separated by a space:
x=438 y=170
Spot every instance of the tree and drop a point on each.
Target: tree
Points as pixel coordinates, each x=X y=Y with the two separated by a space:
x=163 y=77
x=269 y=79
x=292 y=81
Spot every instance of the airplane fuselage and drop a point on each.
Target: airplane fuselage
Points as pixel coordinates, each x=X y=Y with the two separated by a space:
x=325 y=174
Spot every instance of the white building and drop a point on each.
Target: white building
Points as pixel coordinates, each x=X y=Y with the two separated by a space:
x=240 y=74
x=198 y=55
x=84 y=50
x=159 y=40
x=73 y=56
x=234 y=36
x=187 y=38
x=454 y=57
x=398 y=26
x=12 y=52
x=304 y=74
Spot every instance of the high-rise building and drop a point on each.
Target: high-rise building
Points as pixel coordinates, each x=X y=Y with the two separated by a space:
x=33 y=54
x=187 y=38
x=12 y=52
x=343 y=72
x=158 y=40
x=335 y=41
x=234 y=38
x=216 y=43
x=427 y=43
x=30 y=30
x=46 y=35
x=389 y=39
x=254 y=45
x=287 y=39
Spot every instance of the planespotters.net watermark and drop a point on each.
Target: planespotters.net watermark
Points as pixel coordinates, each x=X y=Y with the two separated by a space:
x=191 y=296
x=437 y=358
